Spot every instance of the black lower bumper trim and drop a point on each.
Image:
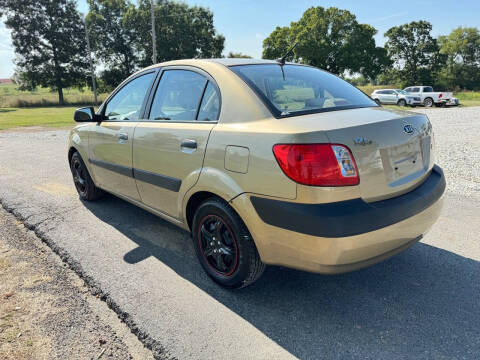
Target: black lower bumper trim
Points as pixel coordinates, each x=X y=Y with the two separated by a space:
x=350 y=217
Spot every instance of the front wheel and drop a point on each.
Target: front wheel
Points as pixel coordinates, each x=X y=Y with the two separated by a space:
x=401 y=103
x=83 y=182
x=224 y=245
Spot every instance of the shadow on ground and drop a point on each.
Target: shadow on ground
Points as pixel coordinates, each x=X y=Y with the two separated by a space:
x=423 y=303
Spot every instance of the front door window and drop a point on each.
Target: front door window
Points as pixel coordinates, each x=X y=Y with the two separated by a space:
x=127 y=103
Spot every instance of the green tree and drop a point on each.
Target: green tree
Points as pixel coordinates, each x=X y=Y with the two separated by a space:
x=182 y=31
x=277 y=43
x=462 y=49
x=462 y=45
x=49 y=41
x=238 y=55
x=415 y=52
x=112 y=41
x=331 y=39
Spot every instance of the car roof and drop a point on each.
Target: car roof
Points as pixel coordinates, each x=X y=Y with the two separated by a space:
x=221 y=61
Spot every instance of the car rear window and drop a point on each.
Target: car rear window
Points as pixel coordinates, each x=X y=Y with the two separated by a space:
x=300 y=89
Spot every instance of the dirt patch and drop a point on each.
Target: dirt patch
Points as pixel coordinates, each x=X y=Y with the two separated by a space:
x=47 y=311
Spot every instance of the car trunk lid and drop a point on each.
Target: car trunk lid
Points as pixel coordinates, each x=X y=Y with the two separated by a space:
x=392 y=149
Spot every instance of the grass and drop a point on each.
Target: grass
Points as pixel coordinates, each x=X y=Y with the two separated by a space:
x=468 y=98
x=43 y=116
x=11 y=97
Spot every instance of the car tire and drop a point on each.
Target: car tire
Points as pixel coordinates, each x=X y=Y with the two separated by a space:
x=428 y=102
x=401 y=103
x=224 y=246
x=86 y=188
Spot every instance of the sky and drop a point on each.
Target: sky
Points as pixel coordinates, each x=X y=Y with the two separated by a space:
x=245 y=23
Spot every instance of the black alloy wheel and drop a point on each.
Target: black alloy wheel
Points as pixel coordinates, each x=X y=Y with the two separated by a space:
x=79 y=176
x=218 y=245
x=83 y=182
x=224 y=246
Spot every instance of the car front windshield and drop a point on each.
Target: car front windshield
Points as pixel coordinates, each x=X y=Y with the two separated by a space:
x=295 y=89
x=403 y=92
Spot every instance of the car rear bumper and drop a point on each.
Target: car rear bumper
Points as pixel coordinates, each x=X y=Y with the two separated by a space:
x=342 y=236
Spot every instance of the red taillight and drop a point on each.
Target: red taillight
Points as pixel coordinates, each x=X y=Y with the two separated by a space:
x=317 y=164
x=440 y=96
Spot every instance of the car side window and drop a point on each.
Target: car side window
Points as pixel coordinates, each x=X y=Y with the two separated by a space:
x=210 y=106
x=415 y=90
x=127 y=103
x=178 y=96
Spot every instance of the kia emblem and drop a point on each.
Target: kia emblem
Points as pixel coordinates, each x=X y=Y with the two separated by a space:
x=408 y=129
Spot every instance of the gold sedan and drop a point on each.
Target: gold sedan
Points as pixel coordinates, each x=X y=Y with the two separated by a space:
x=264 y=162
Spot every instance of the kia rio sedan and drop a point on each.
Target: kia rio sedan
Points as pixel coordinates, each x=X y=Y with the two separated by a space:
x=263 y=163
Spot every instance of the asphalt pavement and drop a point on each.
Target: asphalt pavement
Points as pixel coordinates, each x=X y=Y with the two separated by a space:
x=423 y=303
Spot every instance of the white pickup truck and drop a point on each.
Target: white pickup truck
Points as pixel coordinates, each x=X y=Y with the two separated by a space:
x=430 y=98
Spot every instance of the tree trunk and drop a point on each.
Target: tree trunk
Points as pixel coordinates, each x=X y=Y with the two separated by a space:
x=60 y=96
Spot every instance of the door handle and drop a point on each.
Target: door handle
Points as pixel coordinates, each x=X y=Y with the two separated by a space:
x=188 y=145
x=122 y=136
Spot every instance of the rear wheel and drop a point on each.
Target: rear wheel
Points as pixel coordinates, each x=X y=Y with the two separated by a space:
x=83 y=182
x=401 y=103
x=428 y=102
x=224 y=245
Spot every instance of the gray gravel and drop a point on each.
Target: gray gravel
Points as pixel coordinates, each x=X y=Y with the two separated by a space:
x=457 y=133
x=422 y=303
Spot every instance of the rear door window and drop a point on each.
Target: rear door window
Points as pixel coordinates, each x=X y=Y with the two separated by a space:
x=178 y=96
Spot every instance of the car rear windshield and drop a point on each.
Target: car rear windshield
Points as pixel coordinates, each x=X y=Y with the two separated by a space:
x=291 y=90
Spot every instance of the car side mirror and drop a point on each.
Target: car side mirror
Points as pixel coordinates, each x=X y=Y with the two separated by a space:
x=85 y=114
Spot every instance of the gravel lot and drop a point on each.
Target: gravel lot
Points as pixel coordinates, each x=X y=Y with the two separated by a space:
x=457 y=135
x=421 y=304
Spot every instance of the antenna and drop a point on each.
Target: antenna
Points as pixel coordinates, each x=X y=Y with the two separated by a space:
x=284 y=57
